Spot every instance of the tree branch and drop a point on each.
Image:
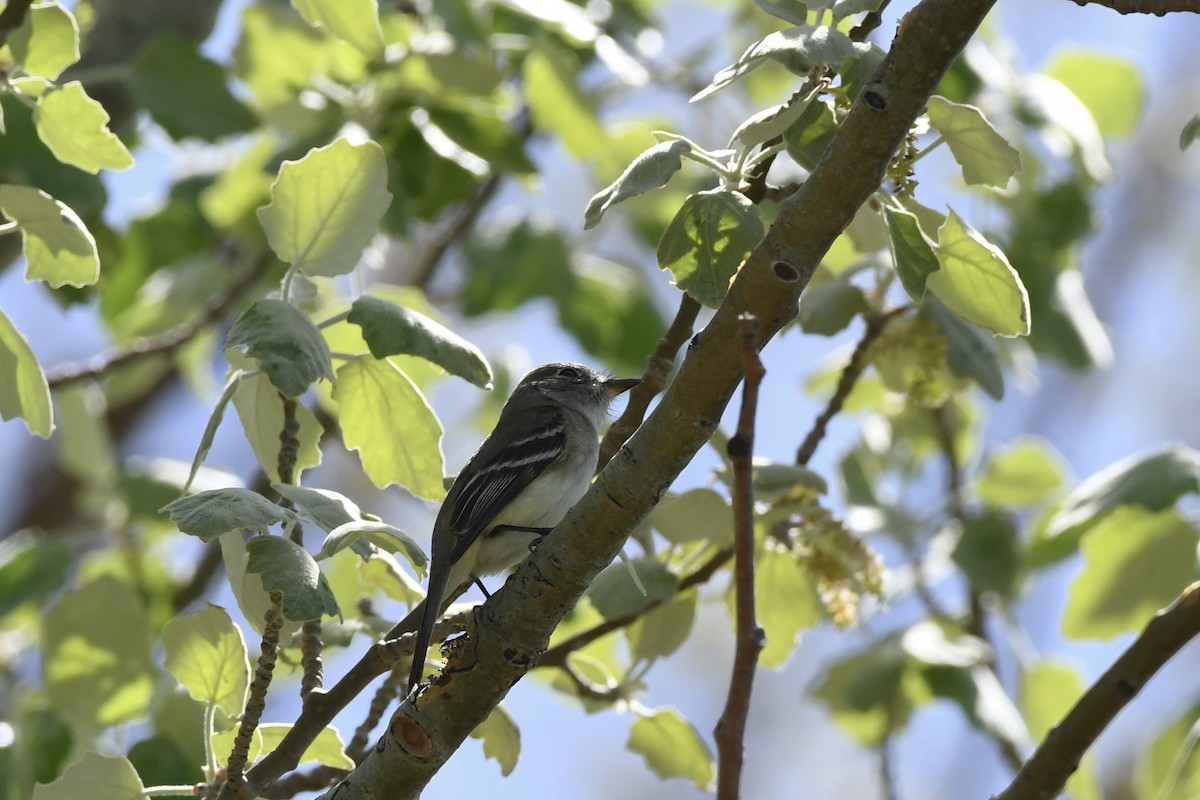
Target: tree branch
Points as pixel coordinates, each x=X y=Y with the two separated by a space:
x=731 y=727
x=1045 y=773
x=509 y=631
x=1158 y=8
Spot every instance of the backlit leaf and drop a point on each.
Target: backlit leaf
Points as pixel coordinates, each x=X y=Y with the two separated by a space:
x=985 y=156
x=671 y=746
x=390 y=329
x=206 y=653
x=24 y=392
x=75 y=128
x=976 y=281
x=708 y=240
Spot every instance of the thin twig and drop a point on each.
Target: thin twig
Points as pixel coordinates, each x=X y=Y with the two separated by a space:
x=256 y=701
x=850 y=375
x=654 y=379
x=388 y=691
x=1043 y=776
x=321 y=776
x=730 y=731
x=164 y=343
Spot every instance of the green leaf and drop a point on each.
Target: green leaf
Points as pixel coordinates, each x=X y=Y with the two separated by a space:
x=797 y=49
x=185 y=92
x=1153 y=481
x=707 y=241
x=391 y=330
x=85 y=448
x=501 y=739
x=39 y=749
x=96 y=655
x=287 y=344
x=355 y=22
x=785 y=601
x=386 y=537
x=671 y=746
x=1048 y=691
x=650 y=170
x=807 y=137
x=828 y=308
x=1169 y=768
x=388 y=421
x=698 y=515
x=1189 y=133
x=214 y=422
x=216 y=511
x=1027 y=472
x=792 y=11
x=1136 y=562
x=75 y=128
x=976 y=281
x=260 y=410
x=615 y=593
x=610 y=313
x=511 y=264
x=24 y=392
x=912 y=251
x=287 y=568
x=327 y=748
x=775 y=120
x=985 y=156
x=988 y=553
x=95 y=777
x=556 y=102
x=973 y=353
x=31 y=567
x=58 y=247
x=1110 y=87
x=326 y=207
x=663 y=630
x=326 y=508
x=47 y=42
x=984 y=702
x=867 y=693
x=206 y=653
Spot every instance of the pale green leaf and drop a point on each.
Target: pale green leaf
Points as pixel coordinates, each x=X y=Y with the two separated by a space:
x=988 y=553
x=75 y=128
x=828 y=308
x=206 y=653
x=58 y=247
x=614 y=592
x=785 y=600
x=1110 y=87
x=798 y=49
x=326 y=207
x=216 y=511
x=24 y=392
x=1026 y=472
x=867 y=694
x=985 y=156
x=327 y=748
x=96 y=665
x=355 y=22
x=386 y=537
x=650 y=170
x=47 y=42
x=95 y=777
x=390 y=329
x=1154 y=480
x=698 y=515
x=792 y=11
x=663 y=630
x=214 y=422
x=85 y=447
x=287 y=568
x=707 y=241
x=501 y=739
x=1136 y=562
x=556 y=102
x=260 y=410
x=912 y=251
x=976 y=281
x=671 y=746
x=286 y=343
x=973 y=353
x=1189 y=133
x=389 y=422
x=326 y=508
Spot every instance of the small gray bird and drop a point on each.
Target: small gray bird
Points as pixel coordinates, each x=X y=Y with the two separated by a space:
x=535 y=465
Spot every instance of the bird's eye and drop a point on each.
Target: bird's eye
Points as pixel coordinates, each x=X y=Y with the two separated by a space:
x=568 y=372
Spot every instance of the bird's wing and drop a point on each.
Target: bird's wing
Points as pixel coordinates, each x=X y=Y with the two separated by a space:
x=516 y=453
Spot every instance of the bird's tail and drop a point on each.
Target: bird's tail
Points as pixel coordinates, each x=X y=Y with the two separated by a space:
x=429 y=616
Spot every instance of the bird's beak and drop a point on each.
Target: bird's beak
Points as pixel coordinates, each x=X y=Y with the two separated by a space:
x=618 y=386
